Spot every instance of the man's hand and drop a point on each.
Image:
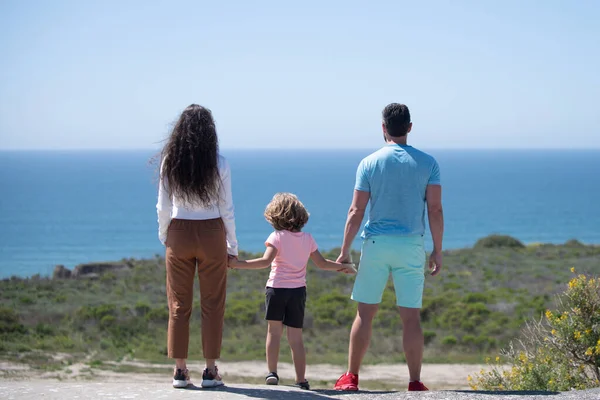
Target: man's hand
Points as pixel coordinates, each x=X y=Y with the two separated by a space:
x=435 y=262
x=344 y=258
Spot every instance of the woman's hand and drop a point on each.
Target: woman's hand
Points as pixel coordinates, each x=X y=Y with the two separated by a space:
x=231 y=261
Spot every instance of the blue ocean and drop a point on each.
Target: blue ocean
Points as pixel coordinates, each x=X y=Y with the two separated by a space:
x=71 y=207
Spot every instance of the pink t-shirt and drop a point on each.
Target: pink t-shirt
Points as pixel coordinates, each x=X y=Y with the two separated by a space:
x=288 y=270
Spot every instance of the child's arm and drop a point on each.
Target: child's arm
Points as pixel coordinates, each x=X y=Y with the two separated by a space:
x=257 y=263
x=329 y=265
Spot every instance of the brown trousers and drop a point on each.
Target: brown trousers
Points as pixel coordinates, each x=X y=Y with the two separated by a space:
x=192 y=243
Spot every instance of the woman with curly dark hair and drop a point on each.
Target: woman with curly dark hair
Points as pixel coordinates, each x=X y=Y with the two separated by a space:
x=197 y=226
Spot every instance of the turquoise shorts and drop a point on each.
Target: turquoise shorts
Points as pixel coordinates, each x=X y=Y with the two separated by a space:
x=401 y=256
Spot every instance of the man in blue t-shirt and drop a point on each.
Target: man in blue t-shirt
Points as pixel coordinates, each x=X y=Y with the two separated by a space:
x=398 y=180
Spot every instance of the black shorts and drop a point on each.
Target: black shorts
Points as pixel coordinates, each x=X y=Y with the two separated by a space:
x=287 y=305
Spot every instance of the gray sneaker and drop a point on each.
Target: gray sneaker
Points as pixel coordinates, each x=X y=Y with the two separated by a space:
x=211 y=379
x=181 y=378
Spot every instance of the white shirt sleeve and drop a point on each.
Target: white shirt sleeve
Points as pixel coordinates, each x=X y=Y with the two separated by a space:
x=226 y=209
x=164 y=208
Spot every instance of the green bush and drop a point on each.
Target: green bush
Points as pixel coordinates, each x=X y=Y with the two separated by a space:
x=333 y=309
x=450 y=341
x=494 y=241
x=97 y=312
x=63 y=342
x=468 y=340
x=574 y=243
x=484 y=343
x=429 y=336
x=142 y=308
x=107 y=322
x=60 y=298
x=160 y=314
x=242 y=312
x=26 y=300
x=44 y=330
x=476 y=298
x=108 y=277
x=560 y=352
x=9 y=322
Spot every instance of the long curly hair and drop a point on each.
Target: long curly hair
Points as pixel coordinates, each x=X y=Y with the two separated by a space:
x=190 y=157
x=286 y=213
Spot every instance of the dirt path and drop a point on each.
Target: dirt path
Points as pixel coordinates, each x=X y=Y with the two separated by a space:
x=437 y=376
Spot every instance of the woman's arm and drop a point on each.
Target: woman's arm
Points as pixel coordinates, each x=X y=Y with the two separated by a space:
x=226 y=209
x=329 y=265
x=257 y=263
x=164 y=207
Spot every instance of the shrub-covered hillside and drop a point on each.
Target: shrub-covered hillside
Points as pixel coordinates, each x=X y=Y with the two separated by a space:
x=476 y=305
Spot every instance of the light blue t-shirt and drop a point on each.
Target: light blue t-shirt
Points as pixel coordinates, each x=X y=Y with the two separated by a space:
x=396 y=176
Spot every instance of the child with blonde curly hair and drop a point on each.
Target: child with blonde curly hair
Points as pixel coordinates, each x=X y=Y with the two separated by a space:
x=288 y=250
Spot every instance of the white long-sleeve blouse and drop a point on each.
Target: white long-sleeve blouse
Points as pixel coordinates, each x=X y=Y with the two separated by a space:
x=169 y=207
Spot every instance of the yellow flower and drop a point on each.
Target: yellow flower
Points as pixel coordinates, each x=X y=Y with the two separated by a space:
x=589 y=352
x=572 y=283
x=469 y=378
x=553 y=331
x=564 y=316
x=549 y=314
x=577 y=335
x=573 y=269
x=497 y=359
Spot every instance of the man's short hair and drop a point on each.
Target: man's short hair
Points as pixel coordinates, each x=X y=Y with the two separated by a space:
x=396 y=119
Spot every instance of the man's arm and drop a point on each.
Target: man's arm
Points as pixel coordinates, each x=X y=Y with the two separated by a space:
x=435 y=212
x=355 y=217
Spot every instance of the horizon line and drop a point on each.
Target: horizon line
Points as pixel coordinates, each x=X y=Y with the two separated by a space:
x=106 y=149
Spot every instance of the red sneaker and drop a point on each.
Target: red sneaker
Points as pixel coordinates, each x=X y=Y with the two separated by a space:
x=348 y=381
x=416 y=386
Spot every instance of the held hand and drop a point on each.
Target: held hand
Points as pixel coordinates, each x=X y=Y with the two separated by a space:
x=344 y=257
x=348 y=268
x=435 y=262
x=231 y=261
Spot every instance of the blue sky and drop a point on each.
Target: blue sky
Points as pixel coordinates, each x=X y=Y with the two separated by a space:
x=475 y=74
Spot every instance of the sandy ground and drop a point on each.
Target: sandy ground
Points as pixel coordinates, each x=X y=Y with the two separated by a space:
x=438 y=376
x=139 y=380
